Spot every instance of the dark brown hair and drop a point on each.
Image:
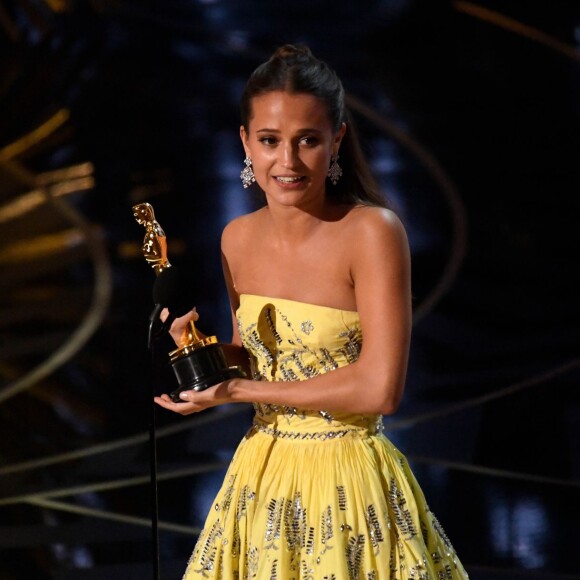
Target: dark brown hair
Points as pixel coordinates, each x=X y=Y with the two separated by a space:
x=296 y=70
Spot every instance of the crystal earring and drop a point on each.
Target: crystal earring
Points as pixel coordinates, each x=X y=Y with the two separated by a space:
x=247 y=174
x=335 y=170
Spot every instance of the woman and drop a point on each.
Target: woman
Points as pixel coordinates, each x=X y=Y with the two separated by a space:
x=314 y=490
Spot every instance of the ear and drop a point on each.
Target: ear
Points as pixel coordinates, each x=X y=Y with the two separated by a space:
x=338 y=138
x=245 y=138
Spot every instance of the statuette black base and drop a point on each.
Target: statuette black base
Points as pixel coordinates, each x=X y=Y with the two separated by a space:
x=201 y=369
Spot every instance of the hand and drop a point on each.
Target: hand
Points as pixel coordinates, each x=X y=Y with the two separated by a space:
x=179 y=327
x=196 y=401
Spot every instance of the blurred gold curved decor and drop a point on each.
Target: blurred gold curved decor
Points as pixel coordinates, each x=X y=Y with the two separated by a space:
x=43 y=237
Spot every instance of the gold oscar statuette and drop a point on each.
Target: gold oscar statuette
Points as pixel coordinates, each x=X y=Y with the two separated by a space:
x=198 y=362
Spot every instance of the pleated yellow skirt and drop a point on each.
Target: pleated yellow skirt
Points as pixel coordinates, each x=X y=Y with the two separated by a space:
x=321 y=504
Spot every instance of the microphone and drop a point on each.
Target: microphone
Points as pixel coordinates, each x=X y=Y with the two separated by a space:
x=172 y=291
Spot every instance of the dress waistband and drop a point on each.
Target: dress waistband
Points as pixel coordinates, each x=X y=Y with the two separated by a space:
x=319 y=432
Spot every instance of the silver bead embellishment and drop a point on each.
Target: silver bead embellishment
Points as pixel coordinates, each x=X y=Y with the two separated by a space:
x=335 y=170
x=247 y=174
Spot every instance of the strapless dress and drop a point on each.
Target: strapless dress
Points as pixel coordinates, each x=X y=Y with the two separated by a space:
x=312 y=494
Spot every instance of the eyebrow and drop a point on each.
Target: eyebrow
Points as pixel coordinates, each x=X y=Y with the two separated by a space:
x=305 y=130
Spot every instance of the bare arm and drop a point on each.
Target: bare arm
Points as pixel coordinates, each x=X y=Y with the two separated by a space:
x=235 y=351
x=380 y=271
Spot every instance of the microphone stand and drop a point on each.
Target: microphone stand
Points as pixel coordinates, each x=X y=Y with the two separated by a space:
x=154 y=250
x=155 y=331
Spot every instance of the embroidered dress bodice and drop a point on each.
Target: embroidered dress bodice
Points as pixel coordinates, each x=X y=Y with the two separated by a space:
x=294 y=341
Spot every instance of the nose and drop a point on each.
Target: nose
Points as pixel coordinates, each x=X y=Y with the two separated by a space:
x=289 y=155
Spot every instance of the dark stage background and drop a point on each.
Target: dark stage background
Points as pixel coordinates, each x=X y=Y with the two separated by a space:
x=470 y=115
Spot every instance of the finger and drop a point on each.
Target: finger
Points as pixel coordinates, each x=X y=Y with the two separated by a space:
x=185 y=395
x=181 y=408
x=191 y=315
x=197 y=397
x=164 y=401
x=164 y=314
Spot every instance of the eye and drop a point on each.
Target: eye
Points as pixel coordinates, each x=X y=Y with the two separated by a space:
x=309 y=141
x=268 y=140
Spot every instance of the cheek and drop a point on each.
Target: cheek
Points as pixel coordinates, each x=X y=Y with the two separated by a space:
x=320 y=163
x=261 y=165
x=261 y=161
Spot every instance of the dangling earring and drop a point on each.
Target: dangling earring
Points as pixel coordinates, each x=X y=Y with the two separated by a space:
x=247 y=174
x=335 y=170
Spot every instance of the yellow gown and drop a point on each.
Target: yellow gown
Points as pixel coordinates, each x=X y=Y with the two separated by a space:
x=311 y=494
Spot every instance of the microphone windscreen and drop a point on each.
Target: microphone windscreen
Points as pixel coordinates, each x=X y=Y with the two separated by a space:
x=173 y=292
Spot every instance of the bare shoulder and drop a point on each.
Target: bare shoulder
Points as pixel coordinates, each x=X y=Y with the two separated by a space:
x=376 y=224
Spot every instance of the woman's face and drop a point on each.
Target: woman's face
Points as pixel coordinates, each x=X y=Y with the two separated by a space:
x=290 y=141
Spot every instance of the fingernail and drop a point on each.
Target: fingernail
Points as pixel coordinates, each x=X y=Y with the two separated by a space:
x=184 y=395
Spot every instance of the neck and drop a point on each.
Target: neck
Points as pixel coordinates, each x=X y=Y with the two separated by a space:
x=293 y=225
